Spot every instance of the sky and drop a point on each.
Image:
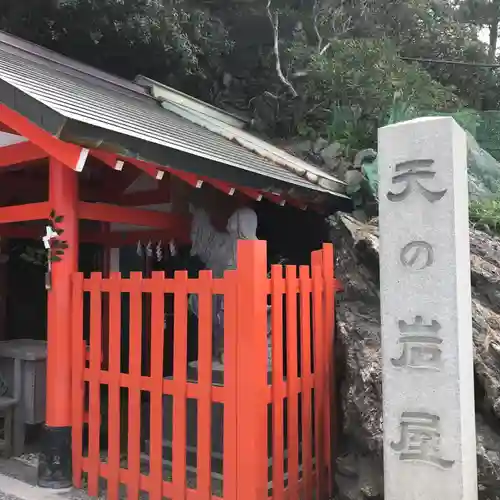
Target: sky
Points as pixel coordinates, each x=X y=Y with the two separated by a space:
x=484 y=35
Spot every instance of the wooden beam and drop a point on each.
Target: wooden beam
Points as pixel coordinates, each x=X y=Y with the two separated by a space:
x=18 y=213
x=192 y=179
x=220 y=186
x=157 y=171
x=142 y=198
x=69 y=154
x=275 y=198
x=127 y=176
x=251 y=193
x=150 y=169
x=135 y=216
x=230 y=189
x=296 y=203
x=116 y=239
x=109 y=159
x=135 y=199
x=113 y=239
x=116 y=163
x=22 y=152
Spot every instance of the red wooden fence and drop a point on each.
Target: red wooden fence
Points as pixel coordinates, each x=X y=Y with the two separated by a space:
x=276 y=422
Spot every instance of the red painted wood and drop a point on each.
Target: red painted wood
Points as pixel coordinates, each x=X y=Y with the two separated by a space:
x=329 y=305
x=278 y=387
x=23 y=152
x=77 y=384
x=68 y=154
x=230 y=369
x=252 y=370
x=113 y=239
x=105 y=263
x=292 y=381
x=205 y=384
x=109 y=159
x=275 y=198
x=117 y=163
x=231 y=189
x=134 y=388
x=319 y=372
x=142 y=198
x=193 y=180
x=94 y=382
x=222 y=186
x=114 y=368
x=127 y=215
x=123 y=179
x=19 y=213
x=148 y=168
x=295 y=203
x=306 y=376
x=145 y=483
x=179 y=386
x=250 y=193
x=245 y=394
x=63 y=199
x=156 y=398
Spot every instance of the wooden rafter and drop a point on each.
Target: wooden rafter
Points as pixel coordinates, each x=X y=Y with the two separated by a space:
x=148 y=168
x=142 y=198
x=109 y=159
x=42 y=144
x=22 y=152
x=275 y=198
x=126 y=215
x=31 y=211
x=117 y=163
x=113 y=239
x=157 y=171
x=69 y=154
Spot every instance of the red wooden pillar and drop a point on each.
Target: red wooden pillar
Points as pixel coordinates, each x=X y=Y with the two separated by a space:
x=55 y=458
x=251 y=378
x=105 y=265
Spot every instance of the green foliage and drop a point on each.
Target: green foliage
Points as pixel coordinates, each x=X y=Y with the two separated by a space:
x=485 y=214
x=347 y=90
x=42 y=256
x=175 y=41
x=341 y=56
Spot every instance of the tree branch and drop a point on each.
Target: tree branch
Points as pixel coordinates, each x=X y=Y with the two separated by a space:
x=316 y=12
x=340 y=24
x=274 y=20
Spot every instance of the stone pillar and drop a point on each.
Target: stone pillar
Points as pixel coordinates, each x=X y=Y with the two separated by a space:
x=54 y=470
x=428 y=388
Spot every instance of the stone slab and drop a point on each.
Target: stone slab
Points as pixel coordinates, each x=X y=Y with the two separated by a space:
x=428 y=389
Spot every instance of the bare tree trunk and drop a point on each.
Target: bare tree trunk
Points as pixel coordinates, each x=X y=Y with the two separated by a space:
x=493 y=27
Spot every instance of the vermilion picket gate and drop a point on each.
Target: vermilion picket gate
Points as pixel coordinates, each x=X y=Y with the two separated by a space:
x=275 y=424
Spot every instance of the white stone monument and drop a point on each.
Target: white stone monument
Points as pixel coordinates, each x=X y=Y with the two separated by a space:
x=428 y=387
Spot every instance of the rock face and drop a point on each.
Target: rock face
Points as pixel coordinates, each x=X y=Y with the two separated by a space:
x=359 y=469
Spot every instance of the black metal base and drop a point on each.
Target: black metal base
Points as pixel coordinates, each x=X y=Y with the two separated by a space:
x=54 y=463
